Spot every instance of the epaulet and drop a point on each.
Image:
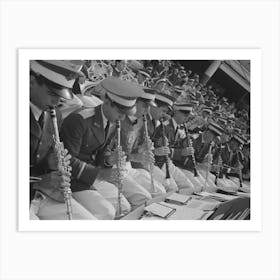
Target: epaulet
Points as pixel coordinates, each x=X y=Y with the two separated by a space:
x=87 y=112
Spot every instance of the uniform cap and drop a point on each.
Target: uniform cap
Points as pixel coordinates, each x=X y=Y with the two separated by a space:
x=222 y=121
x=237 y=130
x=121 y=92
x=207 y=110
x=59 y=75
x=230 y=120
x=195 y=102
x=185 y=107
x=135 y=65
x=178 y=89
x=239 y=138
x=165 y=98
x=214 y=127
x=149 y=96
x=192 y=97
x=144 y=73
x=166 y=81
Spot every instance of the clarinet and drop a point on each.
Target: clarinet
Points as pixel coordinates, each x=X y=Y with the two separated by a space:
x=167 y=176
x=239 y=170
x=151 y=165
x=192 y=155
x=59 y=148
x=209 y=163
x=119 y=213
x=219 y=172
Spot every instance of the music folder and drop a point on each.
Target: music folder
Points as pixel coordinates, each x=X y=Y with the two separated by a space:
x=160 y=210
x=178 y=198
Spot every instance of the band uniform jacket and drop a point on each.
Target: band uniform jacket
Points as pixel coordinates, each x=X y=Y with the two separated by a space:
x=222 y=152
x=230 y=160
x=41 y=143
x=130 y=135
x=171 y=135
x=140 y=137
x=201 y=148
x=83 y=134
x=235 y=162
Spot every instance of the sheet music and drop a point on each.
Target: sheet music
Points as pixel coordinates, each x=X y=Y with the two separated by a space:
x=218 y=196
x=176 y=197
x=183 y=212
x=202 y=205
x=160 y=209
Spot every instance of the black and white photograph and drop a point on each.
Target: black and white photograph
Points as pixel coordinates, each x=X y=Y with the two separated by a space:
x=139 y=139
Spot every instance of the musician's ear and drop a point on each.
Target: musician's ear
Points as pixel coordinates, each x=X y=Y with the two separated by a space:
x=106 y=101
x=32 y=80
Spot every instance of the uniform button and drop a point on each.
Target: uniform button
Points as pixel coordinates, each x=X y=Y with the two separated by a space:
x=40 y=143
x=38 y=156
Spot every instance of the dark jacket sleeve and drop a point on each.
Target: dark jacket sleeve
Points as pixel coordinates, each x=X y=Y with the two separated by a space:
x=72 y=132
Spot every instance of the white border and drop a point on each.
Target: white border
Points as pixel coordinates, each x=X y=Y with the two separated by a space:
x=255 y=224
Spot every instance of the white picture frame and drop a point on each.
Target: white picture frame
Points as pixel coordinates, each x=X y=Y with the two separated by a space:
x=139 y=255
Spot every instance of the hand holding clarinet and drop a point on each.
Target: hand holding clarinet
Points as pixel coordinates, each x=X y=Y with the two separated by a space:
x=192 y=152
x=149 y=148
x=59 y=178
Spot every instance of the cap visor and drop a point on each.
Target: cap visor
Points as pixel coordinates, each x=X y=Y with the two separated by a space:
x=152 y=103
x=63 y=93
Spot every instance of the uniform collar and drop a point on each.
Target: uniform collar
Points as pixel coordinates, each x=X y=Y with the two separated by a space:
x=133 y=119
x=105 y=120
x=36 y=111
x=175 y=125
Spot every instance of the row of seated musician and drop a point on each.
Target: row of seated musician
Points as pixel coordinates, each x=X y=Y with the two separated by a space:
x=90 y=141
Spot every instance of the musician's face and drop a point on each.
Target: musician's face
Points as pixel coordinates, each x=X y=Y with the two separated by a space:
x=121 y=65
x=208 y=136
x=159 y=112
x=112 y=112
x=233 y=145
x=142 y=108
x=246 y=152
x=180 y=117
x=160 y=86
x=195 y=106
x=42 y=96
x=175 y=94
x=141 y=78
x=224 y=138
x=205 y=115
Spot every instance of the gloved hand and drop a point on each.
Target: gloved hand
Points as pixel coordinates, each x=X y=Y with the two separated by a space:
x=162 y=151
x=188 y=151
x=53 y=180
